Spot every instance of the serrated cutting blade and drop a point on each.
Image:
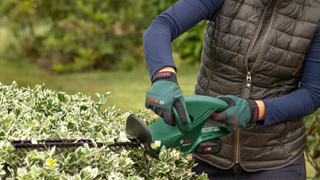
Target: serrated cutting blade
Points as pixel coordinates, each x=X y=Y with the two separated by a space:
x=135 y=127
x=69 y=144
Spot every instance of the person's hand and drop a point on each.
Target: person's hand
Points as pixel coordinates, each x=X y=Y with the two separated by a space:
x=239 y=113
x=163 y=95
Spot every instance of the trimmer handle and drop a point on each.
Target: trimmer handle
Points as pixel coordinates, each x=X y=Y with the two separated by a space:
x=198 y=107
x=189 y=136
x=183 y=127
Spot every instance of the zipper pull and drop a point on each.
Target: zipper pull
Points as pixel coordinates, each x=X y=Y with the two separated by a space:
x=247 y=87
x=249 y=77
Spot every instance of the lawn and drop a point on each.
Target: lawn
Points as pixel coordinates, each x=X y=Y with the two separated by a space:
x=127 y=88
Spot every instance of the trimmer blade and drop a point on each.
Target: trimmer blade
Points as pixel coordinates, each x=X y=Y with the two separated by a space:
x=69 y=144
x=136 y=128
x=132 y=144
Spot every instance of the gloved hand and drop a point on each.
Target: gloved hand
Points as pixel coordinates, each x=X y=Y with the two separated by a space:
x=239 y=113
x=163 y=95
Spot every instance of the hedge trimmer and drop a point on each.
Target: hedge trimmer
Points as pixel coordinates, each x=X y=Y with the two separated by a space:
x=192 y=137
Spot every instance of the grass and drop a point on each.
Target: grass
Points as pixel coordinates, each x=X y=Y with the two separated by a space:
x=127 y=88
x=311 y=172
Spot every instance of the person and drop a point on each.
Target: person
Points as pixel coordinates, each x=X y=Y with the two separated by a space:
x=260 y=56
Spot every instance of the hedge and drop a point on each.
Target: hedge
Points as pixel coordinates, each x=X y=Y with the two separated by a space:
x=39 y=113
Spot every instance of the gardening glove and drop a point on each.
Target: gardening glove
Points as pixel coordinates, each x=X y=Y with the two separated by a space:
x=239 y=113
x=163 y=95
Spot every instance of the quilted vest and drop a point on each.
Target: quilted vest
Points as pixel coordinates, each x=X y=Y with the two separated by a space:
x=256 y=49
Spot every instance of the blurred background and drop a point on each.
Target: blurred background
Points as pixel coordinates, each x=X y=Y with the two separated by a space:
x=94 y=46
x=88 y=46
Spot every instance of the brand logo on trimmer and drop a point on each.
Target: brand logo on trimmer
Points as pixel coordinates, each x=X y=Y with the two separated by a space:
x=185 y=142
x=181 y=142
x=209 y=129
x=161 y=102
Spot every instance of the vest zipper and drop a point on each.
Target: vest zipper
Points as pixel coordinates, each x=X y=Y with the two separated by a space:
x=247 y=88
x=264 y=39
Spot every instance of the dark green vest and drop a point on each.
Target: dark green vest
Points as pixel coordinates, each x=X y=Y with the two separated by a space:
x=256 y=49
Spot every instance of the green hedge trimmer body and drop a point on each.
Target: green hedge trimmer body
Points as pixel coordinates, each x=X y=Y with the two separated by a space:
x=192 y=137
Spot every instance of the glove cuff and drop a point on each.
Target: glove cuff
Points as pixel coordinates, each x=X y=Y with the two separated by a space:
x=254 y=110
x=164 y=75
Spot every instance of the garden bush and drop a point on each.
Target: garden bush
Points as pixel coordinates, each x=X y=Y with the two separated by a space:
x=313 y=141
x=39 y=113
x=77 y=35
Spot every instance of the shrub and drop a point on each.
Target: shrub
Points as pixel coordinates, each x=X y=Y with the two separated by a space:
x=77 y=35
x=189 y=45
x=39 y=113
x=313 y=141
x=84 y=35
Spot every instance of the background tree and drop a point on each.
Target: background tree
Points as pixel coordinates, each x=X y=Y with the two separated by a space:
x=84 y=35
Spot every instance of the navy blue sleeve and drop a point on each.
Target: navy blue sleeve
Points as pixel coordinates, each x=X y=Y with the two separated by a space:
x=304 y=100
x=179 y=18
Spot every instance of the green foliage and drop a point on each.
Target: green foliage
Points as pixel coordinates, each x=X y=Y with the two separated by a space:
x=155 y=7
x=84 y=35
x=312 y=123
x=81 y=34
x=189 y=45
x=40 y=113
